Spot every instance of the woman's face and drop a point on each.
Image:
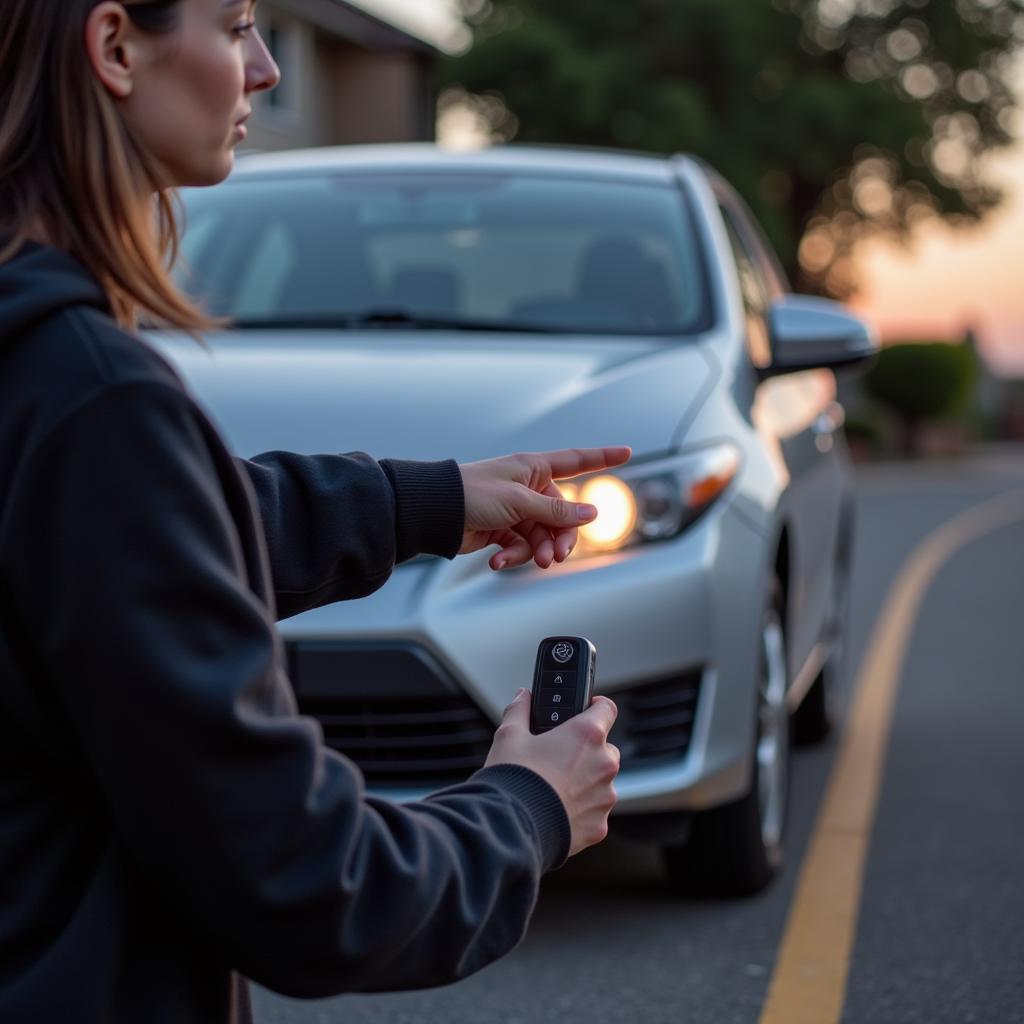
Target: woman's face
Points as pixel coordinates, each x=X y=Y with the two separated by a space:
x=192 y=89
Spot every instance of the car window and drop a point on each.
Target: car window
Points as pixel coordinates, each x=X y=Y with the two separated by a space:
x=272 y=263
x=514 y=251
x=755 y=290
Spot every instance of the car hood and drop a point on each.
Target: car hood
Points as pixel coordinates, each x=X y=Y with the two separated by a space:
x=421 y=396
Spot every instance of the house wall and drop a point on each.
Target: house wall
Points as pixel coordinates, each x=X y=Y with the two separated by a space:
x=376 y=96
x=292 y=115
x=334 y=91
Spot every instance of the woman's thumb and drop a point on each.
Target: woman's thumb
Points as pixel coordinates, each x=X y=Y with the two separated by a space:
x=559 y=512
x=518 y=711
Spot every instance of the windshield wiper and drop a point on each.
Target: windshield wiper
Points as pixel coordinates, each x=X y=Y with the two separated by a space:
x=384 y=319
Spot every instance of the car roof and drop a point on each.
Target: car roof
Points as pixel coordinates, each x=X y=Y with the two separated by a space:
x=426 y=157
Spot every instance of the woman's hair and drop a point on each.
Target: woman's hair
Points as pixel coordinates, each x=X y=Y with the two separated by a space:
x=69 y=164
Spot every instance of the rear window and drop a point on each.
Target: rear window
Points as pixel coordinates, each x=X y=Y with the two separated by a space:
x=516 y=252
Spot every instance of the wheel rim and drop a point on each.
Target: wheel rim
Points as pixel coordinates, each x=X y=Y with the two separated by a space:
x=772 y=735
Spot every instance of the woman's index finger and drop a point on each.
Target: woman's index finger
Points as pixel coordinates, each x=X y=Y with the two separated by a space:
x=571 y=462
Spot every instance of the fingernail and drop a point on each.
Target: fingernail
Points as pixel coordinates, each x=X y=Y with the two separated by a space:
x=500 y=563
x=520 y=693
x=586 y=512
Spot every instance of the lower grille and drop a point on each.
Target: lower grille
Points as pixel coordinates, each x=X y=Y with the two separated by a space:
x=396 y=712
x=655 y=722
x=402 y=742
x=393 y=710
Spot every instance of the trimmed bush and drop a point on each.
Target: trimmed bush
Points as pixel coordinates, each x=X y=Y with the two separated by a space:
x=920 y=383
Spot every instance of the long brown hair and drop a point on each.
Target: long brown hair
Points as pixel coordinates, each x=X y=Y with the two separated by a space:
x=69 y=164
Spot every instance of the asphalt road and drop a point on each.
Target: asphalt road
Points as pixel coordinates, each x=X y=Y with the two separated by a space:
x=940 y=934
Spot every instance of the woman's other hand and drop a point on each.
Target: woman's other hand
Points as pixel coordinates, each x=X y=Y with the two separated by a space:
x=514 y=502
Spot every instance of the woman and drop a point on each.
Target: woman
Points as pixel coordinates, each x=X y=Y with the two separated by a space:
x=167 y=822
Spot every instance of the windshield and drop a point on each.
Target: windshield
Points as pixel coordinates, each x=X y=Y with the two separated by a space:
x=484 y=251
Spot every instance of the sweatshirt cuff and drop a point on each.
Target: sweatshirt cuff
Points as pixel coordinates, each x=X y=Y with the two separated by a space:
x=542 y=803
x=430 y=507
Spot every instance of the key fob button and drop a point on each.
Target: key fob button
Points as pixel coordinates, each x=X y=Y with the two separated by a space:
x=559 y=700
x=558 y=680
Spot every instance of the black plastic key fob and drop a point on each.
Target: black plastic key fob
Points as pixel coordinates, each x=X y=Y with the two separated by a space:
x=563 y=681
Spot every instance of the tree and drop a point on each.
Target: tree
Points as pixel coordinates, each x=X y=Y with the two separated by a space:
x=833 y=118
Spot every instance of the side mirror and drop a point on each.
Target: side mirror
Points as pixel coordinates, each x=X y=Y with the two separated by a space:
x=808 y=333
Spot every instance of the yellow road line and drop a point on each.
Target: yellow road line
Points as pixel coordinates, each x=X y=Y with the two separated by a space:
x=809 y=981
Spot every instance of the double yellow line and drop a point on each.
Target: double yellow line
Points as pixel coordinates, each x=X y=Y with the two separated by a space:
x=809 y=981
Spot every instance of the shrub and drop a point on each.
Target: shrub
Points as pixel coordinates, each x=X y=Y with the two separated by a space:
x=923 y=382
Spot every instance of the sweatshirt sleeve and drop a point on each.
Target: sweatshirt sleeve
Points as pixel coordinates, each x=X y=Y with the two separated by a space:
x=131 y=573
x=336 y=525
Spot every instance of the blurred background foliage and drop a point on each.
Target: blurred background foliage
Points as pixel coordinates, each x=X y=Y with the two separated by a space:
x=923 y=383
x=834 y=119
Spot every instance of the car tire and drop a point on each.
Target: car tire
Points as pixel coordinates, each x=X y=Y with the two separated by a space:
x=813 y=719
x=735 y=850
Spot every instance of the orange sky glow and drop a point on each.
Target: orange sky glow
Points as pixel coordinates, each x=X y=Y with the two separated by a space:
x=948 y=280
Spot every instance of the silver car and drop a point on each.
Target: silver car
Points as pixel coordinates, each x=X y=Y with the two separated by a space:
x=411 y=302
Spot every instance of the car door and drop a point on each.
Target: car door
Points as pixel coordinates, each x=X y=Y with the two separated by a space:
x=801 y=411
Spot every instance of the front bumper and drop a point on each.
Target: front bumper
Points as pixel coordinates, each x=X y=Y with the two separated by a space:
x=446 y=644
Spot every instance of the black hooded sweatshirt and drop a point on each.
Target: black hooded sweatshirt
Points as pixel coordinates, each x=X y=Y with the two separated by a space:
x=168 y=822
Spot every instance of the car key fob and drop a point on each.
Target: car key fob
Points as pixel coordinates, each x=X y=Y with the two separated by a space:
x=563 y=681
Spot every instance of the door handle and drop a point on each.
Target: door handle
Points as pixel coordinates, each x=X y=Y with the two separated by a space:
x=825 y=426
x=831 y=420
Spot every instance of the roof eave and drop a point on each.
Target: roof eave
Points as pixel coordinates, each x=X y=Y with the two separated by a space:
x=349 y=21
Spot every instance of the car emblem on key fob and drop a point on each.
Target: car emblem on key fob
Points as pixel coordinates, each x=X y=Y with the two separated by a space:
x=562 y=652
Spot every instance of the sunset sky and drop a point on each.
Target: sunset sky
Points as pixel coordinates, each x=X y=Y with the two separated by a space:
x=948 y=280
x=944 y=282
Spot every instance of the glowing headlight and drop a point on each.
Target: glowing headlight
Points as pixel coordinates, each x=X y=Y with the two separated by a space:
x=655 y=500
x=616 y=513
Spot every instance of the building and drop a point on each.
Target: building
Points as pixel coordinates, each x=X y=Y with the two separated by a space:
x=1000 y=396
x=347 y=77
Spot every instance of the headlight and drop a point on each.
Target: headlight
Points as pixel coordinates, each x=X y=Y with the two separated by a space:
x=652 y=501
x=616 y=505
